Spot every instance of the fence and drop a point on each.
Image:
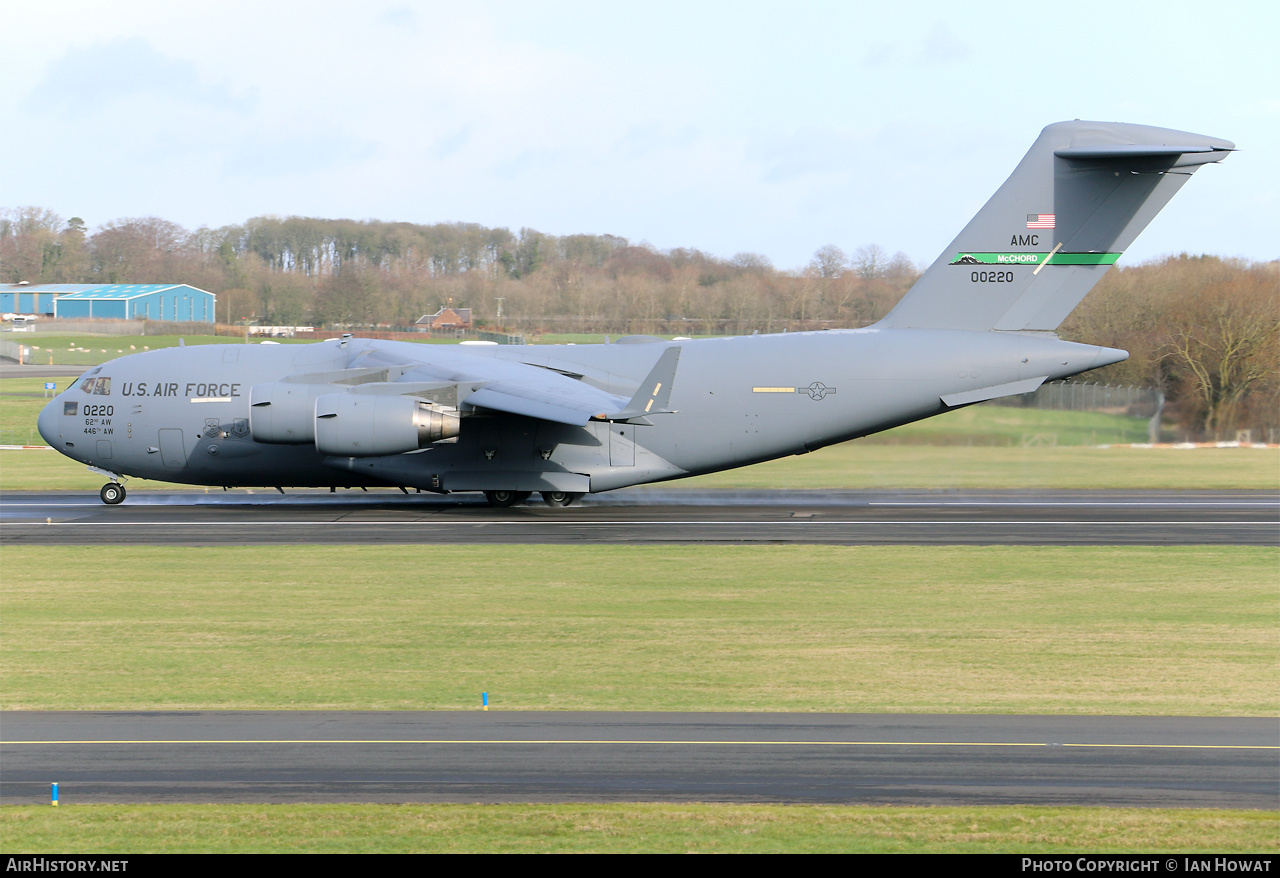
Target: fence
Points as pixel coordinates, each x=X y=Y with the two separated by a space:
x=129 y=327
x=16 y=351
x=1136 y=402
x=99 y=327
x=499 y=337
x=97 y=351
x=21 y=437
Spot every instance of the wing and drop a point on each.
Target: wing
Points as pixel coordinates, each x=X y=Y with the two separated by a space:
x=522 y=389
x=541 y=393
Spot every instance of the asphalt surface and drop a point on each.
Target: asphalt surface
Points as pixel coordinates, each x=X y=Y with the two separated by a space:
x=616 y=757
x=603 y=757
x=1250 y=518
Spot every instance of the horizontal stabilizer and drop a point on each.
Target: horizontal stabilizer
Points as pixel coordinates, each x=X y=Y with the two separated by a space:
x=1197 y=155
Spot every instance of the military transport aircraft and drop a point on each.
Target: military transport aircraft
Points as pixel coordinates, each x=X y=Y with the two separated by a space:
x=570 y=419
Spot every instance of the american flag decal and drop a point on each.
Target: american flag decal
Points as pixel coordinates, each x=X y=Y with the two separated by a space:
x=1041 y=220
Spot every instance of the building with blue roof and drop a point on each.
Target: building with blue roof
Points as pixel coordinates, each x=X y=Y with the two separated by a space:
x=175 y=302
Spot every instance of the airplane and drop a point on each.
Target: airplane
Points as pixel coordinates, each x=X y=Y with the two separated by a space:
x=567 y=420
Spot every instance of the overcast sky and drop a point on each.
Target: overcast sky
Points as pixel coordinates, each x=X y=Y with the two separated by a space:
x=769 y=127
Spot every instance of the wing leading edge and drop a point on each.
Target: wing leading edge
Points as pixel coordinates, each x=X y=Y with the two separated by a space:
x=545 y=394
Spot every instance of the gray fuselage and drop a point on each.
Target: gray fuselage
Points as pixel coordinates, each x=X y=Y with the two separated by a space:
x=183 y=414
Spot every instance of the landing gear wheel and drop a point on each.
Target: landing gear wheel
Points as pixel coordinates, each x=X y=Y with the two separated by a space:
x=560 y=498
x=503 y=499
x=112 y=493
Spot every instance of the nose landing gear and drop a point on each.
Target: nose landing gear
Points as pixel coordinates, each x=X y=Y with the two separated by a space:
x=112 y=493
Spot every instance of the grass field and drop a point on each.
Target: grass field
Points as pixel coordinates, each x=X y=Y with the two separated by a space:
x=1141 y=631
x=857 y=467
x=124 y=829
x=596 y=338
x=89 y=349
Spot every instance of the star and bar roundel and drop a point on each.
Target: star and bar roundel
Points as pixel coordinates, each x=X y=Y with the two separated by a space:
x=815 y=391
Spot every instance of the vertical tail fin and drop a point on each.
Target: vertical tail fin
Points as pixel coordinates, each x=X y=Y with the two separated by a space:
x=1074 y=203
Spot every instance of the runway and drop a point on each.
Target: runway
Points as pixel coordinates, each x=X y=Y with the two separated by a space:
x=673 y=757
x=650 y=516
x=627 y=757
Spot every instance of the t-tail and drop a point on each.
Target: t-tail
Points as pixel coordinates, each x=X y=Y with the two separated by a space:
x=1074 y=203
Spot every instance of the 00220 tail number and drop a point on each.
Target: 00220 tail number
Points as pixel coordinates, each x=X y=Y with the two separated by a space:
x=991 y=277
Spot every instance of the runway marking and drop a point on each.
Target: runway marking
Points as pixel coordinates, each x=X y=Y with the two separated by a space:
x=561 y=522
x=662 y=743
x=296 y=500
x=1265 y=504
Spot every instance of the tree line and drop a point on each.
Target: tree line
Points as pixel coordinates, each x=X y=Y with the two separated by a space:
x=1202 y=329
x=369 y=273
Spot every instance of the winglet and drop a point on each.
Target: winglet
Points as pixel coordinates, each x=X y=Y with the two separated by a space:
x=653 y=397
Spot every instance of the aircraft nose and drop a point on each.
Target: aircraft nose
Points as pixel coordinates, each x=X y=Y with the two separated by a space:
x=47 y=422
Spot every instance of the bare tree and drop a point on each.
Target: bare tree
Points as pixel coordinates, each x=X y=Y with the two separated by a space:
x=756 y=263
x=1221 y=355
x=829 y=261
x=870 y=261
x=28 y=240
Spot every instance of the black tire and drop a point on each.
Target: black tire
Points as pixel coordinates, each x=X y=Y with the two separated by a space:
x=112 y=493
x=502 y=499
x=560 y=498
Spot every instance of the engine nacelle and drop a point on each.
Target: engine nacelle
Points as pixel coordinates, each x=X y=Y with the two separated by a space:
x=283 y=413
x=373 y=424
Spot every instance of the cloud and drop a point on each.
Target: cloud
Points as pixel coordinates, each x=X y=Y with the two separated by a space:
x=291 y=157
x=90 y=79
x=400 y=18
x=942 y=47
x=809 y=151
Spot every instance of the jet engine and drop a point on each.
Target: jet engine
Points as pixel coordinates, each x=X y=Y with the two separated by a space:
x=283 y=413
x=369 y=425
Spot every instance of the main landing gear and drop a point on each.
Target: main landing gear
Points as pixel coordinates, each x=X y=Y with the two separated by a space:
x=503 y=499
x=560 y=498
x=112 y=493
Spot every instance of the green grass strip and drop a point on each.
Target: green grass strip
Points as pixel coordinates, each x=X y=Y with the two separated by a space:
x=629 y=828
x=1126 y=630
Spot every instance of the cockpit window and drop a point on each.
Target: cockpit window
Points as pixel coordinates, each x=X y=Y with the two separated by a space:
x=87 y=385
x=103 y=387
